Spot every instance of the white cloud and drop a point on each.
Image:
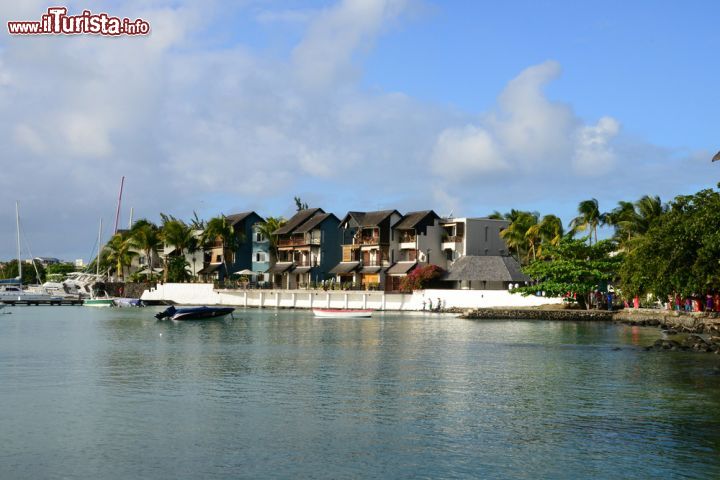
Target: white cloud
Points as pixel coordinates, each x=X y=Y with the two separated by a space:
x=212 y=128
x=325 y=54
x=466 y=151
x=526 y=132
x=593 y=153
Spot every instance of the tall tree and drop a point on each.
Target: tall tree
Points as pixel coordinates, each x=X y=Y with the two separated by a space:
x=299 y=204
x=177 y=234
x=573 y=269
x=145 y=236
x=219 y=230
x=268 y=228
x=589 y=218
x=120 y=253
x=520 y=236
x=679 y=252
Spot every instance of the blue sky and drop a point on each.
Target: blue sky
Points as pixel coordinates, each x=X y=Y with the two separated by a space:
x=457 y=106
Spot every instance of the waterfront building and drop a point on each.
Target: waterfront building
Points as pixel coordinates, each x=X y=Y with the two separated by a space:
x=261 y=256
x=369 y=248
x=217 y=256
x=308 y=246
x=418 y=236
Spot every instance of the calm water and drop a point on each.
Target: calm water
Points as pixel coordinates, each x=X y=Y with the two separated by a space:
x=113 y=394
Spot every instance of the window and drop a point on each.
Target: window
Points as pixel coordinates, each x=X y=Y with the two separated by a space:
x=260 y=257
x=219 y=258
x=486 y=233
x=259 y=237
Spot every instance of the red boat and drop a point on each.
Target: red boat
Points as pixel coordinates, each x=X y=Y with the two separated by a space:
x=342 y=313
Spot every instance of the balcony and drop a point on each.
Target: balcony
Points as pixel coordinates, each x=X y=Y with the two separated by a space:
x=451 y=242
x=370 y=240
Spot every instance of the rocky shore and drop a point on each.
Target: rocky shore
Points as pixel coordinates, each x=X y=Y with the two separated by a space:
x=698 y=332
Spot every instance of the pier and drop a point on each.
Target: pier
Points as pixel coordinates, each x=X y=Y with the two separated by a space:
x=62 y=302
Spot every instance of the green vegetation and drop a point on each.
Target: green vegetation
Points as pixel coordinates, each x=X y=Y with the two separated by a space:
x=575 y=269
x=656 y=249
x=29 y=276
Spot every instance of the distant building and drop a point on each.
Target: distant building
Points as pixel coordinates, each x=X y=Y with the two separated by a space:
x=241 y=258
x=369 y=247
x=308 y=247
x=45 y=261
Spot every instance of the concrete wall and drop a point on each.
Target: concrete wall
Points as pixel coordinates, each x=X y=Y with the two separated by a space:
x=204 y=294
x=475 y=243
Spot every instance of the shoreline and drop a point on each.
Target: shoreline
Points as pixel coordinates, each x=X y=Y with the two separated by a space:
x=684 y=328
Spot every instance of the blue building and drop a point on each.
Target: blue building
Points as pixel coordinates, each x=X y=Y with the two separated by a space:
x=216 y=257
x=260 y=255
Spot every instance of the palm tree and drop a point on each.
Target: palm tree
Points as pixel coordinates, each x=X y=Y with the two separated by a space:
x=219 y=230
x=549 y=231
x=520 y=236
x=119 y=251
x=145 y=236
x=589 y=218
x=624 y=219
x=178 y=234
x=648 y=209
x=268 y=229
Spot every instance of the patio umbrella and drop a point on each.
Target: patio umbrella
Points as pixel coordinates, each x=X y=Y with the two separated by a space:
x=245 y=272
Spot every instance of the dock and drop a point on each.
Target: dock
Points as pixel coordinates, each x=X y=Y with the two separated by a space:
x=43 y=302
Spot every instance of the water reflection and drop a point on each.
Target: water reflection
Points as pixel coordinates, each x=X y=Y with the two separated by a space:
x=282 y=394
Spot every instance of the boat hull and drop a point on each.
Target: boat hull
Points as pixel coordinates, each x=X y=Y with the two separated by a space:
x=341 y=313
x=194 y=313
x=98 y=302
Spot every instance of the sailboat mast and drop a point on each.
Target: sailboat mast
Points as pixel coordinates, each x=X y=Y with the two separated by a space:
x=17 y=224
x=97 y=264
x=117 y=213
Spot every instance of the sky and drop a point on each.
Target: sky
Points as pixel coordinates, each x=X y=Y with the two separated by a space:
x=463 y=107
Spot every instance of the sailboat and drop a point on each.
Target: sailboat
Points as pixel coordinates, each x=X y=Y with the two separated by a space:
x=11 y=290
x=96 y=300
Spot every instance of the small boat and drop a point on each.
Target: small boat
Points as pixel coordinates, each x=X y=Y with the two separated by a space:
x=128 y=302
x=342 y=313
x=194 y=313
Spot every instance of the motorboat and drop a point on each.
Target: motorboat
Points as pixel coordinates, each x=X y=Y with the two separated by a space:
x=11 y=293
x=128 y=302
x=342 y=313
x=194 y=313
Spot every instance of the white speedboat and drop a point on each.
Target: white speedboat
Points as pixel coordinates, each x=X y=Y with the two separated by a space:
x=14 y=293
x=342 y=313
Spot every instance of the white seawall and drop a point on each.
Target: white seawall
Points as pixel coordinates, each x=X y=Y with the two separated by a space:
x=205 y=294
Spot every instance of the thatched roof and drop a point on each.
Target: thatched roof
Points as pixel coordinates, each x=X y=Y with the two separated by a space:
x=489 y=268
x=716 y=157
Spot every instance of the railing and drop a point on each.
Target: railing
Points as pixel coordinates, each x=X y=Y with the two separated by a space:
x=298 y=242
x=374 y=240
x=453 y=238
x=407 y=238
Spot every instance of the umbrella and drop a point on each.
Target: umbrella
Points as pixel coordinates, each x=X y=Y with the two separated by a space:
x=716 y=157
x=245 y=272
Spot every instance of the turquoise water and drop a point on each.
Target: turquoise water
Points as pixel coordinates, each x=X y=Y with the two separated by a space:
x=114 y=394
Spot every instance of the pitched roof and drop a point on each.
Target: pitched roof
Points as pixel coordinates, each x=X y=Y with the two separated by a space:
x=401 y=268
x=492 y=268
x=344 y=267
x=369 y=219
x=314 y=222
x=236 y=218
x=296 y=220
x=411 y=219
